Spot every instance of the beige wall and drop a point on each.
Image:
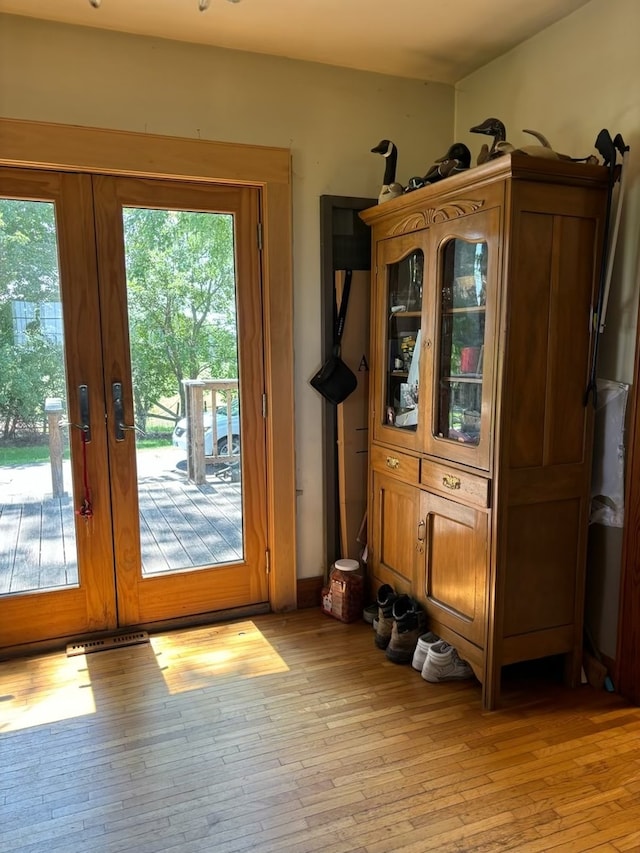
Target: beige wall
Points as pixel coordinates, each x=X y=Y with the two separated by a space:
x=570 y=81
x=330 y=119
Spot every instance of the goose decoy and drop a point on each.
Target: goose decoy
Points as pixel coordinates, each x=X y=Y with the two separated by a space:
x=495 y=128
x=390 y=187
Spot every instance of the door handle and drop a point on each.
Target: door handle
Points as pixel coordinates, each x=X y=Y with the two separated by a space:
x=118 y=413
x=85 y=421
x=422 y=532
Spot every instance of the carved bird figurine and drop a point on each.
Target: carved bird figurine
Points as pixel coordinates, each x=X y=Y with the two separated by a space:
x=499 y=145
x=545 y=150
x=390 y=187
x=457 y=159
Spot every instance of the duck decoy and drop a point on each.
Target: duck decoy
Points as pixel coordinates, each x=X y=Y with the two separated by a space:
x=545 y=150
x=499 y=146
x=390 y=187
x=457 y=159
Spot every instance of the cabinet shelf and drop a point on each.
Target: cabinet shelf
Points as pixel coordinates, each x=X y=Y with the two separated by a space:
x=466 y=309
x=470 y=378
x=415 y=314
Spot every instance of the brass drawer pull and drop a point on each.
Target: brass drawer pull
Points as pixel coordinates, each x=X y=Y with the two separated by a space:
x=393 y=462
x=451 y=482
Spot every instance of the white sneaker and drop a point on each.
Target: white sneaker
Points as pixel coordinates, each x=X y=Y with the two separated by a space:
x=425 y=642
x=443 y=664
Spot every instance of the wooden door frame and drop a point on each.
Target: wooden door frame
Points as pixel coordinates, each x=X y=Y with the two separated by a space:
x=37 y=145
x=627 y=669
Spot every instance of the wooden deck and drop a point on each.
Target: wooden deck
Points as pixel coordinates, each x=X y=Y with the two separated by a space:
x=181 y=525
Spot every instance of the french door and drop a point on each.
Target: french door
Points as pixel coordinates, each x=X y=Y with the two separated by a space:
x=121 y=300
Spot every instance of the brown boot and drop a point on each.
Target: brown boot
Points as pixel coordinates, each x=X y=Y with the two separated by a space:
x=384 y=625
x=409 y=622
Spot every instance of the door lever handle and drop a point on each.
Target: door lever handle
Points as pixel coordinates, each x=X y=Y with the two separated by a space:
x=118 y=412
x=85 y=421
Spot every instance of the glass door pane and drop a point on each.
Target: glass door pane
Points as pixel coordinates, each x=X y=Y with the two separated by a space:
x=37 y=519
x=463 y=300
x=404 y=314
x=180 y=272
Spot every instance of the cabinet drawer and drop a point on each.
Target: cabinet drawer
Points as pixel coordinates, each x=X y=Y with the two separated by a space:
x=399 y=464
x=449 y=481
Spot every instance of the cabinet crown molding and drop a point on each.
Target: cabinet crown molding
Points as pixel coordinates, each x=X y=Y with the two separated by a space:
x=439 y=213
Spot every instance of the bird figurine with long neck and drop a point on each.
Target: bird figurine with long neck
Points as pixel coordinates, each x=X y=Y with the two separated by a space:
x=495 y=128
x=390 y=187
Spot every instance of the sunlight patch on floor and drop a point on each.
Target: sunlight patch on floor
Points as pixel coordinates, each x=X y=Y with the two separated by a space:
x=42 y=691
x=192 y=660
x=46 y=690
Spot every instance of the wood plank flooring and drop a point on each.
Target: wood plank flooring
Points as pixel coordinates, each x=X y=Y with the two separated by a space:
x=292 y=734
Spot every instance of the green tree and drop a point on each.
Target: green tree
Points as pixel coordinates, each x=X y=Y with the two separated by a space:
x=181 y=295
x=31 y=368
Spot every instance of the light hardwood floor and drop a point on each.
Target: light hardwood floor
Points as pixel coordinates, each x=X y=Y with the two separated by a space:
x=286 y=734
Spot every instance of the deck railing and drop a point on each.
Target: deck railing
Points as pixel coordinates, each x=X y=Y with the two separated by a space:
x=197 y=459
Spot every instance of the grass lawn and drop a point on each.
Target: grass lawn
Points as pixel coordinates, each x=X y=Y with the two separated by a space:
x=28 y=455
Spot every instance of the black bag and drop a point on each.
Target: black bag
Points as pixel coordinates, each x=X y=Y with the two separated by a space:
x=335 y=380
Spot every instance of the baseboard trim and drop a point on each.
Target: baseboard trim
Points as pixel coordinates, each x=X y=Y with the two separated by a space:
x=309 y=591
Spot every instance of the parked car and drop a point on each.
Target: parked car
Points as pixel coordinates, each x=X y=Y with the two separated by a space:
x=222 y=423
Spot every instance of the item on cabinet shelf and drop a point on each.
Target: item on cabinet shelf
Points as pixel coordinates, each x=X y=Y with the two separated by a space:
x=407 y=398
x=413 y=374
x=444 y=664
x=545 y=150
x=390 y=187
x=335 y=380
x=407 y=419
x=470 y=422
x=457 y=159
x=495 y=128
x=409 y=622
x=469 y=359
x=407 y=346
x=465 y=292
x=343 y=595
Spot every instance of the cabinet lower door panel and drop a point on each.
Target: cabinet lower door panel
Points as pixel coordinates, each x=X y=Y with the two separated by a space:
x=456 y=565
x=395 y=530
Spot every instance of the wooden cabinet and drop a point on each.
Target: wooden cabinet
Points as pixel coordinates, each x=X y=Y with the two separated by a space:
x=484 y=288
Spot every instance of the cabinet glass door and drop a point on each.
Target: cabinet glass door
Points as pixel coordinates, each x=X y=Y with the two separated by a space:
x=400 y=319
x=463 y=303
x=465 y=330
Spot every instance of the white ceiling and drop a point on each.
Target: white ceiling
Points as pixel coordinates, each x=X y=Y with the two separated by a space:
x=424 y=39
